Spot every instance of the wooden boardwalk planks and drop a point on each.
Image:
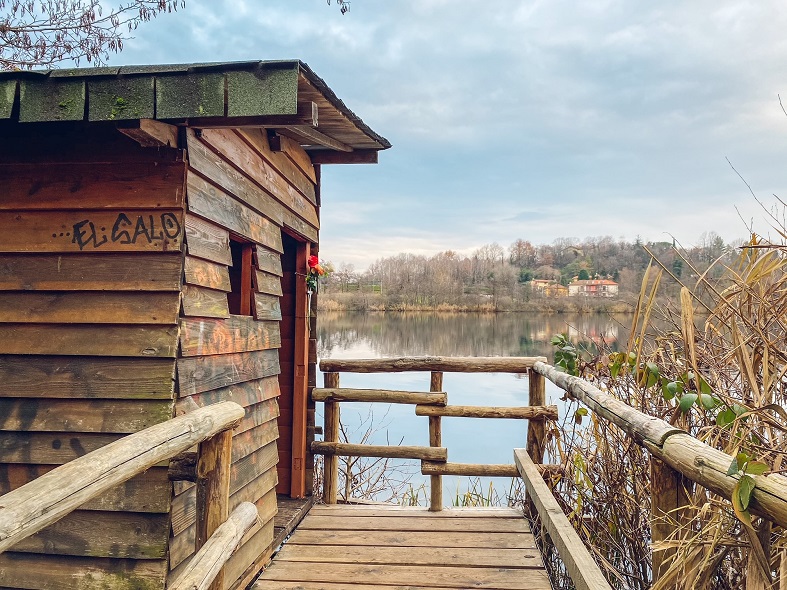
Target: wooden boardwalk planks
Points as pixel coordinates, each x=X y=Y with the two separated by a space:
x=342 y=547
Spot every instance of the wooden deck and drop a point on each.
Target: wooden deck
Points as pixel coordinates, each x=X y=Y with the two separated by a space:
x=392 y=548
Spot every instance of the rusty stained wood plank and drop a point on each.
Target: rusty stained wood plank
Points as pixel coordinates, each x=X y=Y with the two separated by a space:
x=146 y=492
x=416 y=524
x=257 y=437
x=201 y=302
x=198 y=374
x=207 y=240
x=94 y=307
x=89 y=340
x=351 y=538
x=86 y=377
x=49 y=448
x=255 y=162
x=212 y=203
x=286 y=156
x=99 y=416
x=266 y=307
x=51 y=572
x=144 y=185
x=247 y=393
x=268 y=261
x=102 y=534
x=237 y=333
x=154 y=230
x=204 y=273
x=213 y=166
x=267 y=283
x=97 y=272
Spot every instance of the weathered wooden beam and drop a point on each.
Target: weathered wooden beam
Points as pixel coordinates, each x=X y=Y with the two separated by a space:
x=536 y=429
x=309 y=135
x=519 y=413
x=331 y=436
x=696 y=460
x=482 y=469
x=456 y=364
x=668 y=496
x=582 y=570
x=150 y=133
x=436 y=440
x=387 y=451
x=640 y=426
x=45 y=500
x=386 y=396
x=206 y=565
x=354 y=157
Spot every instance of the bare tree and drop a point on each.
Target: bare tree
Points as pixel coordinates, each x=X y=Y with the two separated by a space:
x=45 y=32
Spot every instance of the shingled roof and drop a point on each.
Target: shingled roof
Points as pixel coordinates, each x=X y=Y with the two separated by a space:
x=286 y=95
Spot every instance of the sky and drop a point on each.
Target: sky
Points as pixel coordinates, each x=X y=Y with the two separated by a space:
x=526 y=119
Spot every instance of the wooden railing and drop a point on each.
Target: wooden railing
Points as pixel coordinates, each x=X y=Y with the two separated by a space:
x=434 y=404
x=675 y=455
x=47 y=499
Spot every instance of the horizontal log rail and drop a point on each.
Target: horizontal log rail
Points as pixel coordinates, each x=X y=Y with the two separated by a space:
x=685 y=454
x=55 y=494
x=455 y=364
x=386 y=451
x=385 y=396
x=206 y=565
x=434 y=459
x=520 y=413
x=482 y=469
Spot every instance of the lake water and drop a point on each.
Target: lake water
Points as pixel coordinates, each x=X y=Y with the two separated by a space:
x=378 y=335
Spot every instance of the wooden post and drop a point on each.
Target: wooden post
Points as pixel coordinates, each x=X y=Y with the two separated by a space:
x=213 y=490
x=331 y=462
x=300 y=380
x=536 y=429
x=668 y=495
x=435 y=440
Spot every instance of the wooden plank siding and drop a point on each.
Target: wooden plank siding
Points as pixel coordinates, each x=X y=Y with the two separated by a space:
x=238 y=193
x=91 y=269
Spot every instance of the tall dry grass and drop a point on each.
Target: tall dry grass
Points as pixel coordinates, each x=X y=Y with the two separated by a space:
x=713 y=363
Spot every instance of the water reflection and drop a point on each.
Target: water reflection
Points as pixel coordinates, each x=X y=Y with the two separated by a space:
x=465 y=334
x=376 y=335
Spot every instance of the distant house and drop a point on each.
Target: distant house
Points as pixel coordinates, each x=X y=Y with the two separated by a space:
x=593 y=288
x=549 y=288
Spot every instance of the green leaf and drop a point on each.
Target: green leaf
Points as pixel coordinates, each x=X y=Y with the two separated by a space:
x=578 y=415
x=725 y=418
x=709 y=402
x=756 y=467
x=733 y=468
x=653 y=368
x=668 y=392
x=746 y=487
x=686 y=401
x=704 y=387
x=614 y=370
x=742 y=459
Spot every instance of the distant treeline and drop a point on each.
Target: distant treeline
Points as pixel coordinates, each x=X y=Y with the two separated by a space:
x=494 y=278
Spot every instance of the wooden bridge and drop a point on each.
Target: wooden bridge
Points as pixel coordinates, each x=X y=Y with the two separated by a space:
x=338 y=547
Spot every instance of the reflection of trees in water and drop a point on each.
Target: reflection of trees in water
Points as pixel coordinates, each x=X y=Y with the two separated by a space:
x=465 y=334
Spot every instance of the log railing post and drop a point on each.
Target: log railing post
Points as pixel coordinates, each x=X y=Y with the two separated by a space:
x=668 y=496
x=435 y=440
x=213 y=490
x=536 y=428
x=331 y=435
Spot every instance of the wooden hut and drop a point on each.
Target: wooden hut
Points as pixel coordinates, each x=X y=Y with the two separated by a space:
x=155 y=224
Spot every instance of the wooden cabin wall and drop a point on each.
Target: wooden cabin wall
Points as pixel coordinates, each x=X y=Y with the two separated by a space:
x=240 y=191
x=90 y=278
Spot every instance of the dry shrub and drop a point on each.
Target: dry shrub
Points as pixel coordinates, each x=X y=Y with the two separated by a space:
x=721 y=352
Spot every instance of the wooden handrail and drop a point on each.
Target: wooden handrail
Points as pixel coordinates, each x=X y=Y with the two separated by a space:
x=582 y=570
x=50 y=497
x=434 y=459
x=694 y=459
x=456 y=364
x=208 y=562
